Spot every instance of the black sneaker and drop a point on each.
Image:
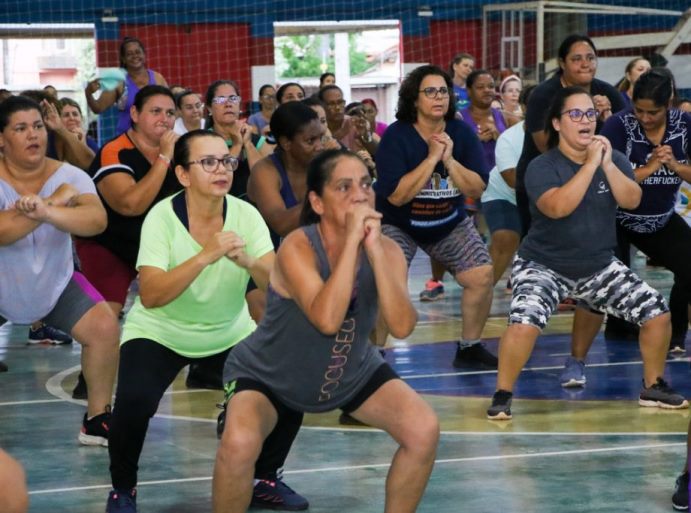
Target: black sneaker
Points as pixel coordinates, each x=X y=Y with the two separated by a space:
x=475 y=355
x=4 y=367
x=275 y=494
x=48 y=335
x=122 y=501
x=677 y=345
x=501 y=406
x=680 y=499
x=95 y=430
x=661 y=395
x=202 y=376
x=80 y=391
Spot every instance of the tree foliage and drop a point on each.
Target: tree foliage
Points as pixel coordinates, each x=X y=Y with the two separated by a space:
x=304 y=55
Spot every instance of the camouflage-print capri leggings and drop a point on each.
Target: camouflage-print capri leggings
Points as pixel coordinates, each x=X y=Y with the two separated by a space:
x=616 y=289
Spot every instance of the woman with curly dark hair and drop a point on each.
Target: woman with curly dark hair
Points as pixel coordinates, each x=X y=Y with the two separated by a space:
x=428 y=161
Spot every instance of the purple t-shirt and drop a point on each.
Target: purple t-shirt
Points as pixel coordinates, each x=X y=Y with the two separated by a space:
x=488 y=147
x=659 y=189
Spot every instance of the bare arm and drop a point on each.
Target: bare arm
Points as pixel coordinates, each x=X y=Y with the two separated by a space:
x=14 y=225
x=86 y=216
x=665 y=155
x=131 y=198
x=412 y=182
x=540 y=139
x=561 y=201
x=263 y=188
x=158 y=287
x=107 y=98
x=72 y=150
x=627 y=193
x=509 y=176
x=325 y=304
x=469 y=182
x=391 y=276
x=69 y=147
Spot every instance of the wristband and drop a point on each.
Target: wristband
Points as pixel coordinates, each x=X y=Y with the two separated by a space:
x=165 y=159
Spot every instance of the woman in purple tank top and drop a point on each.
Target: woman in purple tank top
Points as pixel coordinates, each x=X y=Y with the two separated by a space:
x=133 y=60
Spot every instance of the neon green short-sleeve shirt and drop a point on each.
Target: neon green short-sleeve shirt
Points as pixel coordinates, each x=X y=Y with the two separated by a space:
x=211 y=315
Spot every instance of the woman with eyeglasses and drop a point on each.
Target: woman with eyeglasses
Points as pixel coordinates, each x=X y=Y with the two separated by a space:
x=260 y=120
x=574 y=190
x=428 y=161
x=191 y=110
x=223 y=104
x=133 y=61
x=198 y=250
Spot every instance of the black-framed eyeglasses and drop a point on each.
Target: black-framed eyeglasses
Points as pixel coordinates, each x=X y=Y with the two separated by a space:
x=222 y=100
x=577 y=114
x=432 y=92
x=211 y=164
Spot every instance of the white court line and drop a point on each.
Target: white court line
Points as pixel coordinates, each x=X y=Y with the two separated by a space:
x=37 y=401
x=54 y=388
x=531 y=369
x=385 y=465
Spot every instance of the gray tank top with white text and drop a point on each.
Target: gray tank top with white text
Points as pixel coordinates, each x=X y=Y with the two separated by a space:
x=305 y=369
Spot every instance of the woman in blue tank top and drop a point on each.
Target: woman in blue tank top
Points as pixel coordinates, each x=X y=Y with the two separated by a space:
x=133 y=60
x=278 y=183
x=329 y=280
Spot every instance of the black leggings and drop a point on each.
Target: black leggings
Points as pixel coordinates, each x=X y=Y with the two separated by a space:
x=147 y=369
x=670 y=246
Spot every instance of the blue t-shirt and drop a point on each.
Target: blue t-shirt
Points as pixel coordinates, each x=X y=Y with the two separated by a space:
x=582 y=243
x=438 y=207
x=659 y=189
x=462 y=98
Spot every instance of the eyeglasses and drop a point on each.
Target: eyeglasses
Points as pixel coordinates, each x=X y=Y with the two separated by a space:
x=269 y=96
x=222 y=100
x=577 y=114
x=338 y=104
x=432 y=92
x=211 y=164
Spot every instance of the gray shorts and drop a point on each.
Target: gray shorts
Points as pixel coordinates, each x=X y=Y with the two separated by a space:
x=616 y=290
x=78 y=298
x=461 y=250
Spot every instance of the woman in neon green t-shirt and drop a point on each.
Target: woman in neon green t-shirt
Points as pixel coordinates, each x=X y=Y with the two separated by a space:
x=198 y=250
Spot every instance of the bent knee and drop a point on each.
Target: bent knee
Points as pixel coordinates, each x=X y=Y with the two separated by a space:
x=661 y=321
x=240 y=445
x=423 y=436
x=481 y=277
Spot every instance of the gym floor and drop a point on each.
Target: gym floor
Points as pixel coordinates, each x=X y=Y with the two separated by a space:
x=584 y=450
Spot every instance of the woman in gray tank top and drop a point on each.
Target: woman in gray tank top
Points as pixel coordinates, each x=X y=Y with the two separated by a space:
x=311 y=350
